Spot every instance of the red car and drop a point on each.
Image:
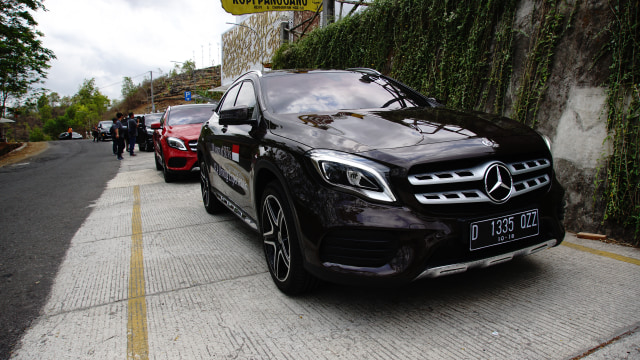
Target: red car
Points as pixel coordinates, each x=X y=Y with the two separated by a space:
x=175 y=138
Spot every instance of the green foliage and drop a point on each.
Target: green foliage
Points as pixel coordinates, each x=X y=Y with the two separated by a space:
x=622 y=180
x=23 y=59
x=186 y=67
x=539 y=59
x=128 y=88
x=80 y=112
x=36 y=135
x=457 y=52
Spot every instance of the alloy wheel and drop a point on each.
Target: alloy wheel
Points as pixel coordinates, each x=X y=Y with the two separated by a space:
x=275 y=235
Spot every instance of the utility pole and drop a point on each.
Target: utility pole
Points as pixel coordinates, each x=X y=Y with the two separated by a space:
x=329 y=10
x=153 y=105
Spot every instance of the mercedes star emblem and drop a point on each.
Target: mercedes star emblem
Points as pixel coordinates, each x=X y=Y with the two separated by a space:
x=498 y=183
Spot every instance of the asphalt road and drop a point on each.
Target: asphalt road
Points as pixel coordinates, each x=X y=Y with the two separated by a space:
x=44 y=201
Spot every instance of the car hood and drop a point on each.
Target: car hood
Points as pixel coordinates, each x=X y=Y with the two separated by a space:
x=391 y=131
x=188 y=131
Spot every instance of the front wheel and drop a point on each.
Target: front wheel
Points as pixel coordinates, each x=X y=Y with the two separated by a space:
x=169 y=177
x=158 y=164
x=281 y=244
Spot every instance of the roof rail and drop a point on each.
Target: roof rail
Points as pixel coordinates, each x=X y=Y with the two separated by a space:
x=366 y=71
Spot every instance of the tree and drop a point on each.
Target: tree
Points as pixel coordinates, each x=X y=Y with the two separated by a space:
x=128 y=88
x=81 y=111
x=189 y=67
x=23 y=59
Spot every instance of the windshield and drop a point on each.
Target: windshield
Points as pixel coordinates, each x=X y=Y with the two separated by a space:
x=155 y=117
x=105 y=125
x=190 y=115
x=330 y=91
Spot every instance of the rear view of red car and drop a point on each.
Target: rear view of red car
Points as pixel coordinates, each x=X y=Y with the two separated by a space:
x=175 y=138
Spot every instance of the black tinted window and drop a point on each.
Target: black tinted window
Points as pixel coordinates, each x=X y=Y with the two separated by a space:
x=330 y=91
x=230 y=98
x=190 y=115
x=246 y=96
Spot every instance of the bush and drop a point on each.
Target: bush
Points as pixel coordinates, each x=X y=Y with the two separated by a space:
x=37 y=135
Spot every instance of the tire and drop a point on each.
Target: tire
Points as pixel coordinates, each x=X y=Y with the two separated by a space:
x=169 y=177
x=158 y=164
x=142 y=147
x=281 y=244
x=211 y=202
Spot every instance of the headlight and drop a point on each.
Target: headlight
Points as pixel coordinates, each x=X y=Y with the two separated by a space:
x=546 y=140
x=176 y=143
x=353 y=173
x=149 y=131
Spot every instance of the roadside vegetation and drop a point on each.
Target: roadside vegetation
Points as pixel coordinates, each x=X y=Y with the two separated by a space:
x=42 y=115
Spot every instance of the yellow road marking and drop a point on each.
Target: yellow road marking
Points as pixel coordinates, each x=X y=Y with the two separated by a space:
x=137 y=338
x=602 y=253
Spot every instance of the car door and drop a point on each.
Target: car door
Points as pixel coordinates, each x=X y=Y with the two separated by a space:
x=233 y=149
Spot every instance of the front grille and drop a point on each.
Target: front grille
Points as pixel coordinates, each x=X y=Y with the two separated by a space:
x=466 y=185
x=193 y=145
x=364 y=248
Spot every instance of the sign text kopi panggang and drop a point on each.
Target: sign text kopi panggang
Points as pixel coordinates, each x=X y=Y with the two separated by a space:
x=240 y=7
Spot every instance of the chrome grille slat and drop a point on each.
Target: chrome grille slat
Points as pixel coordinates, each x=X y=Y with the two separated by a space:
x=522 y=167
x=451 y=176
x=449 y=197
x=539 y=181
x=472 y=193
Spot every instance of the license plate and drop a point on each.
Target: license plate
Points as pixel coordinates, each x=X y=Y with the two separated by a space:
x=503 y=229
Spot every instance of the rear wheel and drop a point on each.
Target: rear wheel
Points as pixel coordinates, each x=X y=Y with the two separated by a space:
x=281 y=244
x=211 y=203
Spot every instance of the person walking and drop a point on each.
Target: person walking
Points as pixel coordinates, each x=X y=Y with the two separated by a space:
x=119 y=135
x=112 y=133
x=132 y=129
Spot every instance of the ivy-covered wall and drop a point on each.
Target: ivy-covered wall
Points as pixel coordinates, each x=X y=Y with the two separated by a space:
x=546 y=63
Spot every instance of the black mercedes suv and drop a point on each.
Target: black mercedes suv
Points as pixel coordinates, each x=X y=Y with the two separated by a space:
x=352 y=177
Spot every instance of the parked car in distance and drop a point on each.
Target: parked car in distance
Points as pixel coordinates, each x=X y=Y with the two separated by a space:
x=175 y=138
x=74 y=136
x=352 y=177
x=145 y=132
x=104 y=130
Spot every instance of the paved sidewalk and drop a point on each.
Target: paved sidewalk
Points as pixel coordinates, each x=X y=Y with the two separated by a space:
x=169 y=281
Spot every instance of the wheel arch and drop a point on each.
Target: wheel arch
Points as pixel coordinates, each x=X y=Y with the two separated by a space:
x=265 y=173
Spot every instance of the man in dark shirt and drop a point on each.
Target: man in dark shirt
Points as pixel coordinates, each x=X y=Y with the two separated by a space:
x=132 y=128
x=118 y=134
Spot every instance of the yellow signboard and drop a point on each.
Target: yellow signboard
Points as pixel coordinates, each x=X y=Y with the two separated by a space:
x=240 y=7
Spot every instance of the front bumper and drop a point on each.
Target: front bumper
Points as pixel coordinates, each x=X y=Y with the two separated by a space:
x=348 y=240
x=181 y=161
x=439 y=271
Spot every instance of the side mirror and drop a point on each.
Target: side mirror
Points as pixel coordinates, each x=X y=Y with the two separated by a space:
x=156 y=126
x=236 y=116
